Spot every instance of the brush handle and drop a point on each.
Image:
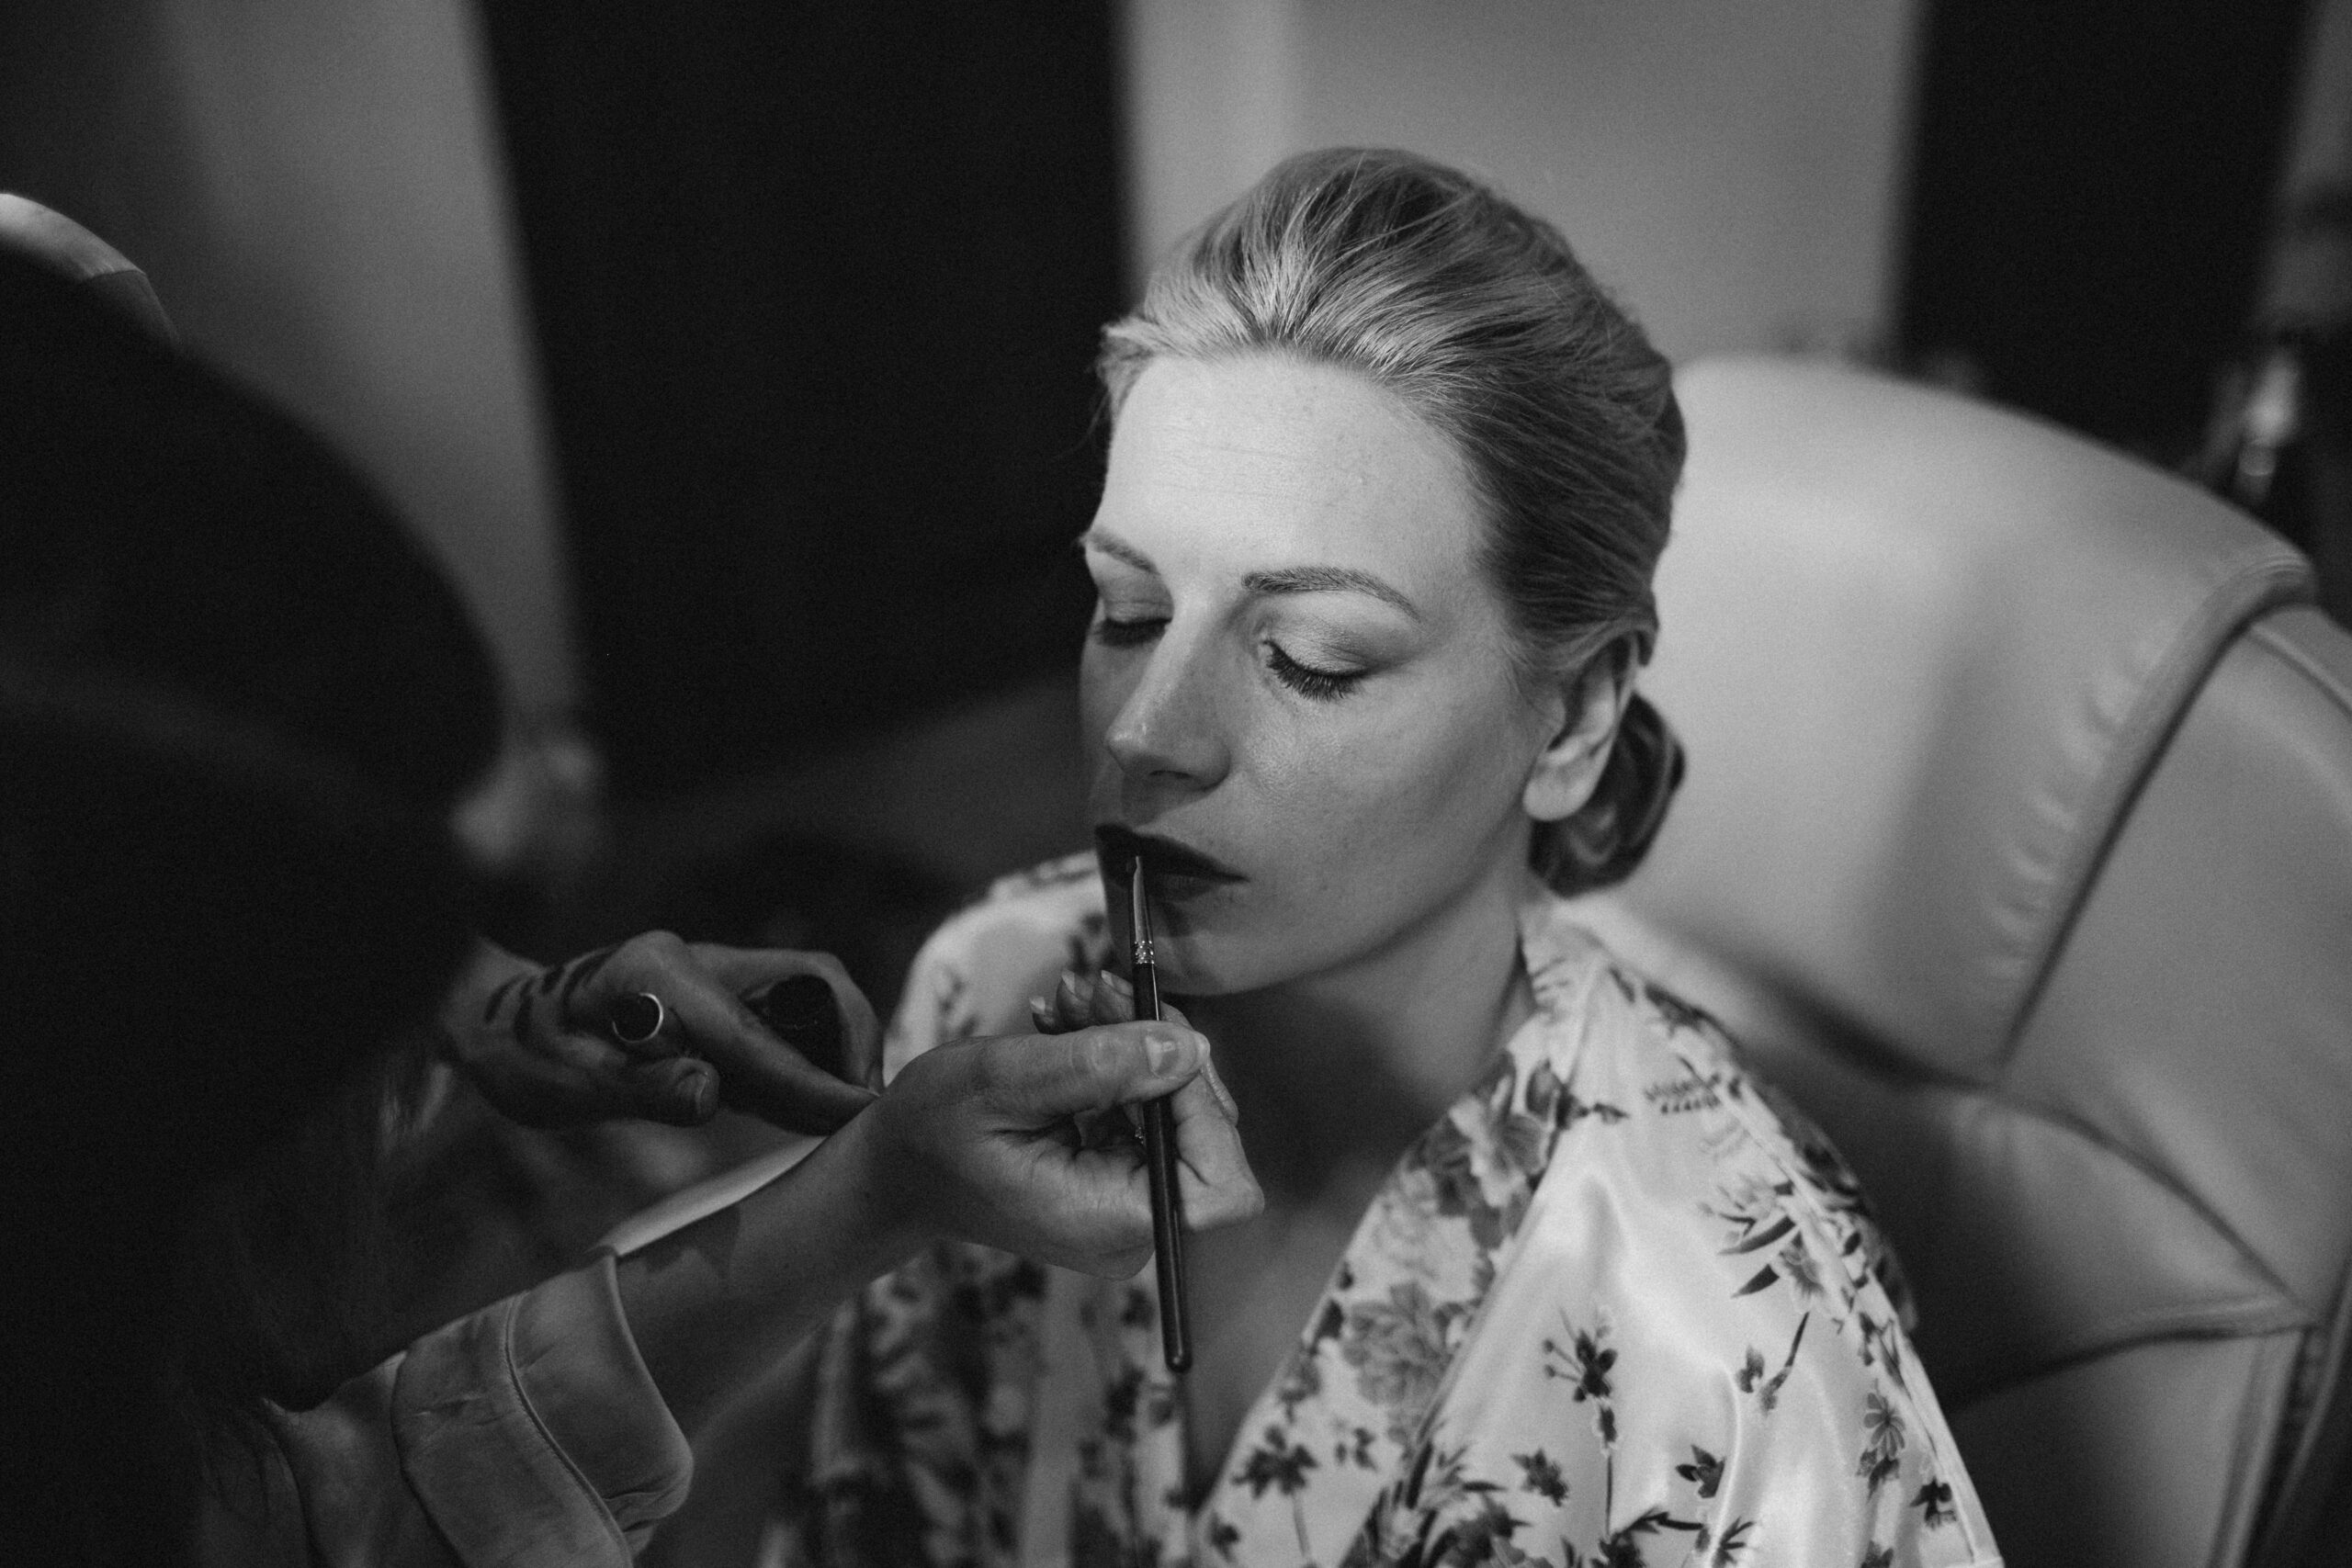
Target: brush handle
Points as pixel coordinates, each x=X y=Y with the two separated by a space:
x=1166 y=1198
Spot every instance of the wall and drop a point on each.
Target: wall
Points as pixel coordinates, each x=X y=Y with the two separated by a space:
x=1733 y=171
x=2303 y=276
x=314 y=187
x=819 y=287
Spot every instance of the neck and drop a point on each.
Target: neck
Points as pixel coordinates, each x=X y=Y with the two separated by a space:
x=1343 y=1068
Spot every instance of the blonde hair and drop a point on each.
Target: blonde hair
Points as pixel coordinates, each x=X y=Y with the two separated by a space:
x=1479 y=316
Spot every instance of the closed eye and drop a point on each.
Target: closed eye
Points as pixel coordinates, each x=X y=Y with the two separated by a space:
x=1308 y=679
x=1114 y=632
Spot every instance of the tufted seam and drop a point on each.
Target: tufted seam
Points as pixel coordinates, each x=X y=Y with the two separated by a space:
x=2329 y=683
x=2318 y=1426
x=2320 y=1435
x=2271 y=1308
x=2275 y=579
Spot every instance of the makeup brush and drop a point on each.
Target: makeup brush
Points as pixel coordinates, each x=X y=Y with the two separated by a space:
x=1159 y=1146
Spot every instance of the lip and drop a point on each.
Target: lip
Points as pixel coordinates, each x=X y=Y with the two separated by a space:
x=1119 y=845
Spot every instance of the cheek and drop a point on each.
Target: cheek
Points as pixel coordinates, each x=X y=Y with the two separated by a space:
x=1354 y=827
x=1361 y=830
x=1421 y=787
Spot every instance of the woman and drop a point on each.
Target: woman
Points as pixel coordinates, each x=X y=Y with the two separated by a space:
x=237 y=708
x=1543 y=1276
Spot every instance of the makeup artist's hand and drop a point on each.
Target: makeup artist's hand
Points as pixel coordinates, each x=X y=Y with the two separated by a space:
x=978 y=1139
x=1083 y=1000
x=538 y=1042
x=973 y=1140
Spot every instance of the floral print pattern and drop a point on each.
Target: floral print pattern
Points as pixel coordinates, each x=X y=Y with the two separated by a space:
x=1618 y=1306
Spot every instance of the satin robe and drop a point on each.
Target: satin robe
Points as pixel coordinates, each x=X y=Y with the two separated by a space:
x=1618 y=1306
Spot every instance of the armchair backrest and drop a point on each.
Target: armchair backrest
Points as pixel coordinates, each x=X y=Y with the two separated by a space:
x=2017 y=845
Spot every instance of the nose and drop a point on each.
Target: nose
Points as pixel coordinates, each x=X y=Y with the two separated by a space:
x=1167 y=733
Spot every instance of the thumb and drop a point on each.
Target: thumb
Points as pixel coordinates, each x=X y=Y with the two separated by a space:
x=681 y=1090
x=1041 y=1079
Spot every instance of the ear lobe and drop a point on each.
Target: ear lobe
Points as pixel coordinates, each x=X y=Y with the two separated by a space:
x=1568 y=769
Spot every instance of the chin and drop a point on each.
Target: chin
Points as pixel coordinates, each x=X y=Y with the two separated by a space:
x=1198 y=963
x=1207 y=960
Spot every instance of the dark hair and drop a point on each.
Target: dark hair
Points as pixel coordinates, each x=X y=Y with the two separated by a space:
x=1479 y=316
x=237 y=704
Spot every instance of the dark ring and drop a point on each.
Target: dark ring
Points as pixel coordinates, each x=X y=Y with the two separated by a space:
x=637 y=1018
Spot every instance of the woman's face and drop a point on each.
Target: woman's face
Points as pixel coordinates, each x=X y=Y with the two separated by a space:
x=1297 y=686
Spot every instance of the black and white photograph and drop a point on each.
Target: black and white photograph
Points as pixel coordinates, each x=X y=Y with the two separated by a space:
x=1176 y=784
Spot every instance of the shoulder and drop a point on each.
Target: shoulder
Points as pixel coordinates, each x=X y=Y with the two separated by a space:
x=1054 y=910
x=974 y=974
x=1702 y=1123
x=1694 y=1316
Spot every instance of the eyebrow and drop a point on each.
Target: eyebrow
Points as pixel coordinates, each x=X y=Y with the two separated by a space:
x=1329 y=579
x=1282 y=580
x=1117 y=549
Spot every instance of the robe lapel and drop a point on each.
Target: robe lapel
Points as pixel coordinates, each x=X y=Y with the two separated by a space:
x=1376 y=1362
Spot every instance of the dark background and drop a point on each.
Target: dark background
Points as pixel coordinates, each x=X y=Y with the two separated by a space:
x=816 y=289
x=2091 y=201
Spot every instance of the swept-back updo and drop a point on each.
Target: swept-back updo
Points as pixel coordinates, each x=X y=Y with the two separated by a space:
x=1479 y=316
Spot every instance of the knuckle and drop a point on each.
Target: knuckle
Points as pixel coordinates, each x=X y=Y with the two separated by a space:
x=981 y=1068
x=663 y=947
x=1097 y=1054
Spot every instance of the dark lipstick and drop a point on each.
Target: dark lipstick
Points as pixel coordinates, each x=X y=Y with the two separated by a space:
x=1120 y=847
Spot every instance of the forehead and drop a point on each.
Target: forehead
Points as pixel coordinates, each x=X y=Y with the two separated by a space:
x=1260 y=461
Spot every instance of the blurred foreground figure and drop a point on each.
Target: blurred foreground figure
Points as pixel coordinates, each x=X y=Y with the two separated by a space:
x=550 y=1064
x=237 y=708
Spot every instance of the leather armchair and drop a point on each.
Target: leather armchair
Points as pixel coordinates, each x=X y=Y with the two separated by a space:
x=2017 y=846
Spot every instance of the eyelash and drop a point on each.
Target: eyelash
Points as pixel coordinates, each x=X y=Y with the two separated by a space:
x=1317 y=685
x=1125 y=634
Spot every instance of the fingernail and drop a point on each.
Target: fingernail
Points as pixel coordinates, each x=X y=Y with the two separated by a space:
x=1117 y=984
x=1169 y=1052
x=700 y=1090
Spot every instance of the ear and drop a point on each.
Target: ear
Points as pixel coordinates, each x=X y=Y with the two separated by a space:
x=1568 y=769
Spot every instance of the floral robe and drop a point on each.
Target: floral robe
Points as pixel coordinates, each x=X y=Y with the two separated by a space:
x=1616 y=1307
